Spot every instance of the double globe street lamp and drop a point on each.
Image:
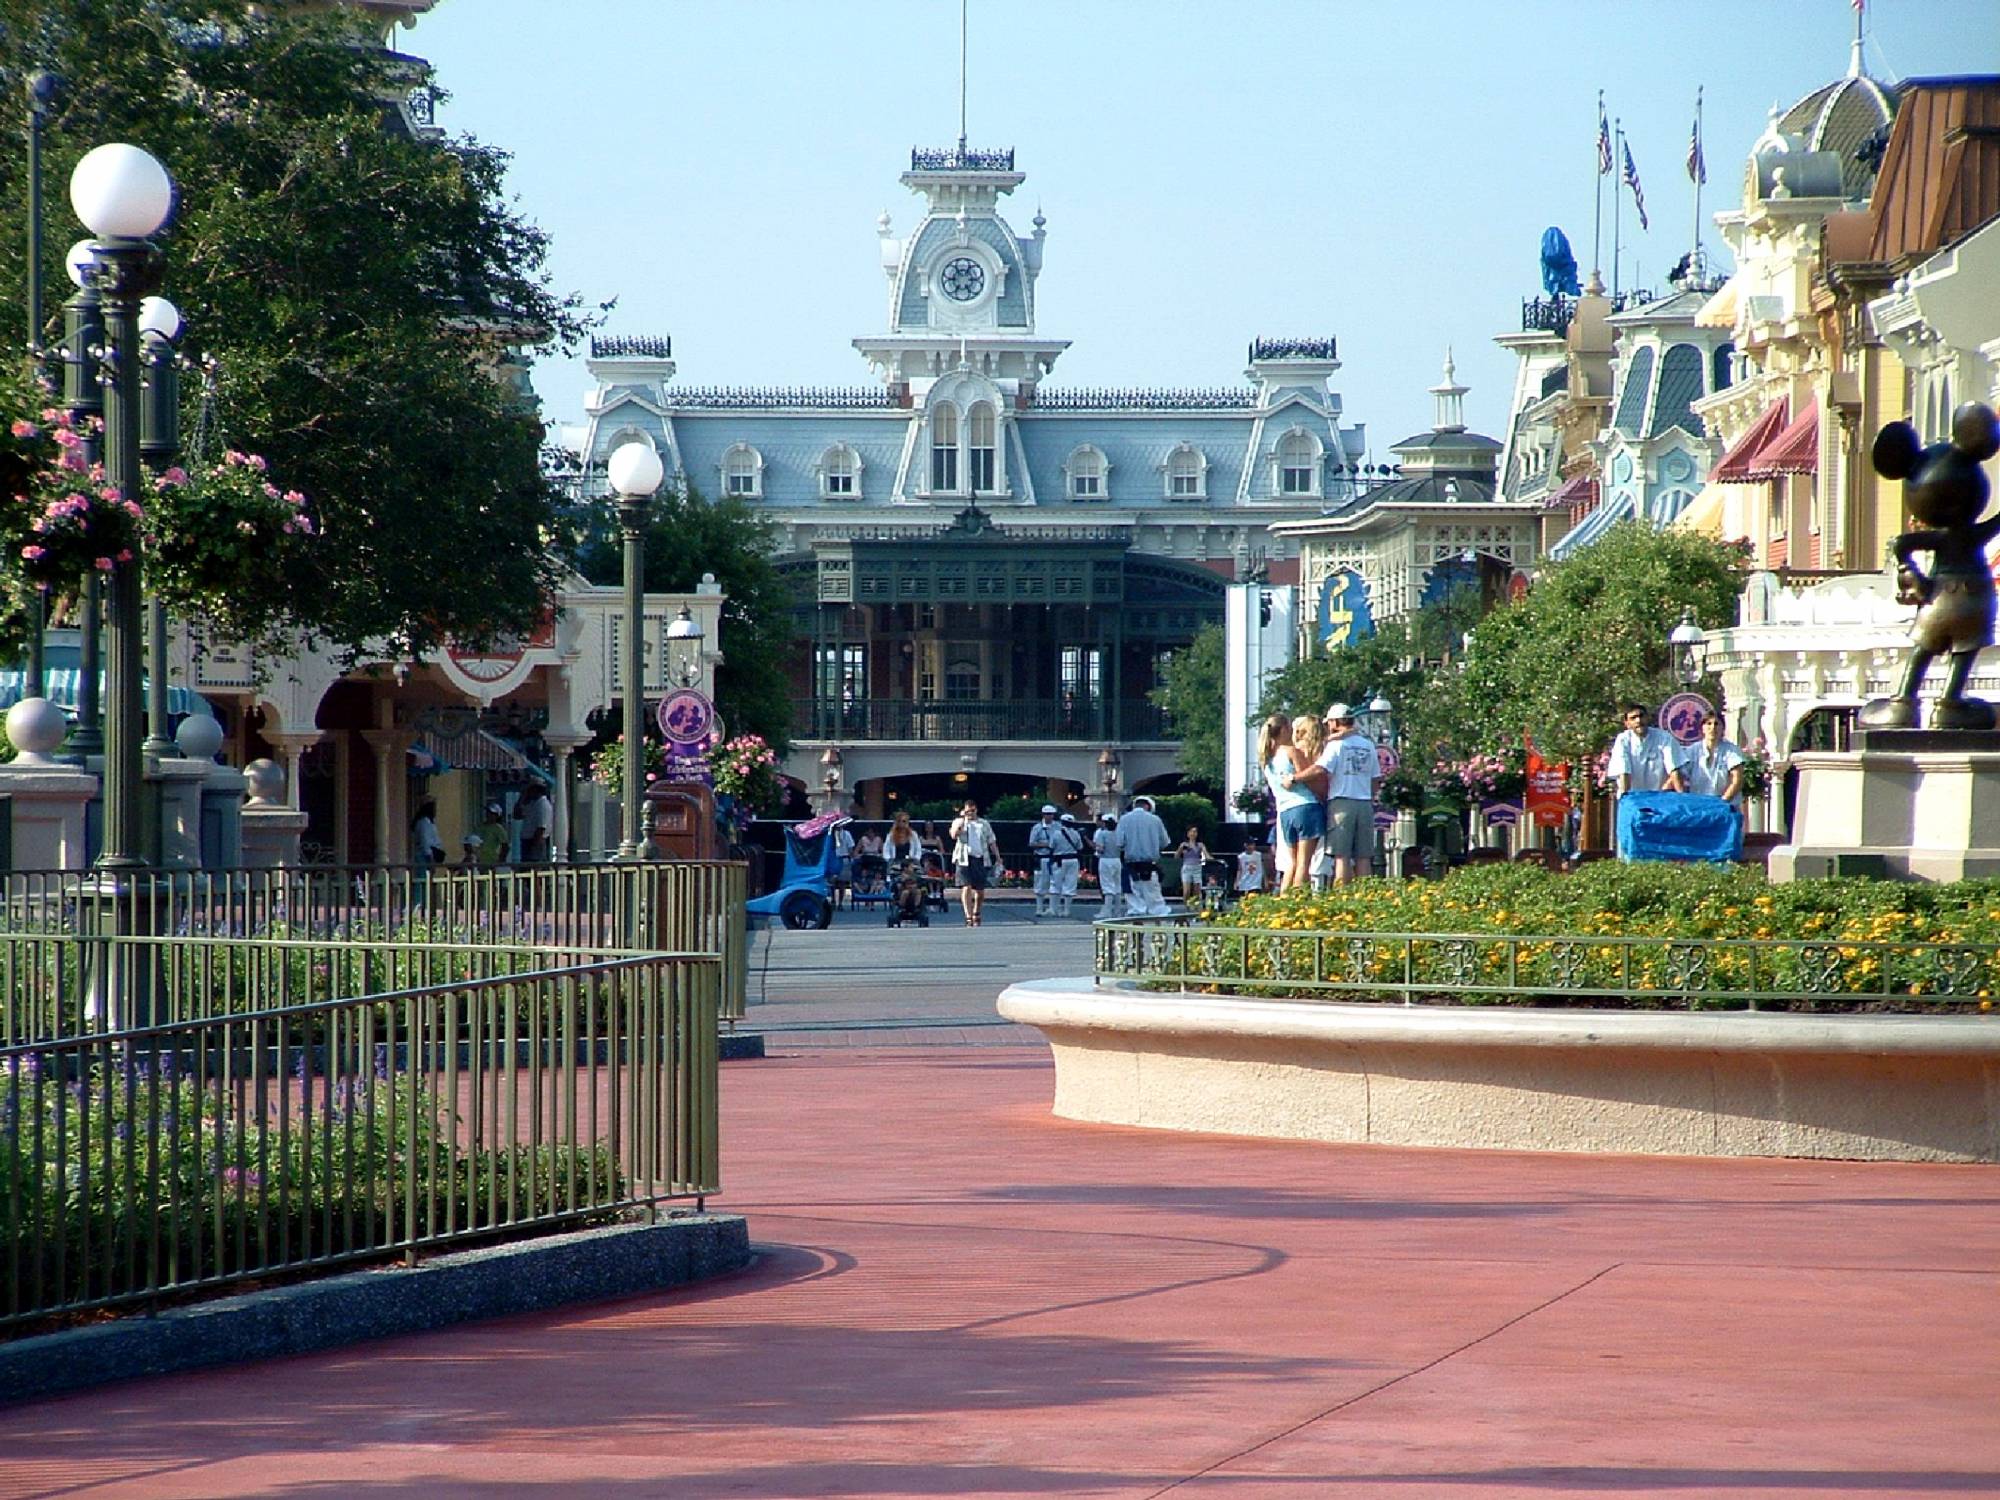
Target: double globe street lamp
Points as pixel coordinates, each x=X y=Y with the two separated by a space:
x=123 y=196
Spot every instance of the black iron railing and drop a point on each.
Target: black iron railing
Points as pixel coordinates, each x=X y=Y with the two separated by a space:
x=865 y=719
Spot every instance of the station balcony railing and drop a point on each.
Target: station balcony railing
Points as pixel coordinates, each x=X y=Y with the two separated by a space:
x=677 y=906
x=1012 y=721
x=188 y=1112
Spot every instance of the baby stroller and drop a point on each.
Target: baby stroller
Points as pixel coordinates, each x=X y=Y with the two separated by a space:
x=908 y=900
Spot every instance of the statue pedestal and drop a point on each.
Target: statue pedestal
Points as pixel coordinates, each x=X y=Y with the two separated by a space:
x=1911 y=804
x=50 y=803
x=271 y=835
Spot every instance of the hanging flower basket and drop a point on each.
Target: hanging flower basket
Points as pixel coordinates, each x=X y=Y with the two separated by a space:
x=220 y=538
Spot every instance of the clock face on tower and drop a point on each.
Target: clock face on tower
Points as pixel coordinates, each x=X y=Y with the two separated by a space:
x=963 y=278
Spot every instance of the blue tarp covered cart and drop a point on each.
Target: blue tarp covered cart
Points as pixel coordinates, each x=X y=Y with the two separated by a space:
x=1678 y=826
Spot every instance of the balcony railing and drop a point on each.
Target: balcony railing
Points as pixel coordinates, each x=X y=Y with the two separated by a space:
x=1019 y=719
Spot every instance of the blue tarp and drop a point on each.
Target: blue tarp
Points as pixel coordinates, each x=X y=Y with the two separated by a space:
x=1678 y=826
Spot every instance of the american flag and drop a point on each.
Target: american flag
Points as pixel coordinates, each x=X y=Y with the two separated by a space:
x=1603 y=141
x=1638 y=193
x=1697 y=167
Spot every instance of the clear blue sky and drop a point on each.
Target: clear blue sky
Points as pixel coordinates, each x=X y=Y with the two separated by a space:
x=1381 y=170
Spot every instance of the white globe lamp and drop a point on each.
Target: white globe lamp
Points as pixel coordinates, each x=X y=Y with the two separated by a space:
x=635 y=469
x=81 y=254
x=121 y=192
x=159 y=319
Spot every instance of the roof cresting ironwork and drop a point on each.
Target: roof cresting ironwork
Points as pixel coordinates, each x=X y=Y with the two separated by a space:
x=1293 y=348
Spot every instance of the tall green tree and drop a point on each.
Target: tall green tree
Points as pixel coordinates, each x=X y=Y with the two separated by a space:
x=1191 y=692
x=687 y=536
x=355 y=285
x=1590 y=635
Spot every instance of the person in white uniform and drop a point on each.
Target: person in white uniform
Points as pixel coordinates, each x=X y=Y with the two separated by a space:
x=1712 y=767
x=1110 y=867
x=1144 y=840
x=1644 y=758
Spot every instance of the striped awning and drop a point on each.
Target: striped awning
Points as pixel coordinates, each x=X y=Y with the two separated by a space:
x=1793 y=451
x=1594 y=525
x=63 y=684
x=1743 y=453
x=473 y=750
x=1719 y=311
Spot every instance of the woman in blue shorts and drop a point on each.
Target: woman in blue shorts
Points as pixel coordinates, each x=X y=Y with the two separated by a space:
x=1288 y=754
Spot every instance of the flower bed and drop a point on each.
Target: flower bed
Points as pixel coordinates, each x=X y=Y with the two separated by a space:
x=1610 y=935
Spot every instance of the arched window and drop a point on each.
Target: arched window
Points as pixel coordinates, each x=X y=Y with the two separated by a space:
x=1638 y=392
x=1298 y=464
x=1086 y=469
x=944 y=448
x=743 y=472
x=1725 y=364
x=839 y=473
x=1186 y=471
x=979 y=435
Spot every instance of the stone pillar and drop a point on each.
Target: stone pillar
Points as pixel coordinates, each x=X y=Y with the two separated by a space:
x=271 y=830
x=563 y=747
x=180 y=784
x=291 y=750
x=49 y=796
x=392 y=836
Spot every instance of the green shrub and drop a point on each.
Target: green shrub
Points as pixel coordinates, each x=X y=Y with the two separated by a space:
x=1182 y=810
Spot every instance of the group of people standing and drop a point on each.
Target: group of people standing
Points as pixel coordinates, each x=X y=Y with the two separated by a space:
x=1645 y=758
x=1324 y=774
x=489 y=845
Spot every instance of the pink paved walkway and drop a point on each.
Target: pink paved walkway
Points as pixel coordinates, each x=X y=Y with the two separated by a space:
x=962 y=1296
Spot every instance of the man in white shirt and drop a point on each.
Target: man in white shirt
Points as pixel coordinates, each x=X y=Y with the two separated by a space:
x=1643 y=758
x=1712 y=767
x=1144 y=839
x=1042 y=850
x=1354 y=776
x=538 y=816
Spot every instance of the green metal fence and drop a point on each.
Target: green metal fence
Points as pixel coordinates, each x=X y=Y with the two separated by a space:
x=279 y=1112
x=689 y=906
x=1499 y=968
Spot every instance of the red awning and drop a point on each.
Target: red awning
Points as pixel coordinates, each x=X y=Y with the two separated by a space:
x=1793 y=451
x=1737 y=462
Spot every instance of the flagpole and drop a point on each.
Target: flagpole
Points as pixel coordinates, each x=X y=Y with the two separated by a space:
x=1698 y=169
x=1597 y=221
x=1617 y=199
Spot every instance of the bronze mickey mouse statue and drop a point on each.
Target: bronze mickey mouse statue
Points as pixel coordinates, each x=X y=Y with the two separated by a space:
x=1945 y=489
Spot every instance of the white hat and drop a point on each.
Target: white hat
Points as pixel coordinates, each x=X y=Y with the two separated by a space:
x=1338 y=711
x=1048 y=809
x=472 y=841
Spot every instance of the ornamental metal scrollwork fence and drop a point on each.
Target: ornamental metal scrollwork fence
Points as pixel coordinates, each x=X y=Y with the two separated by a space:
x=1554 y=969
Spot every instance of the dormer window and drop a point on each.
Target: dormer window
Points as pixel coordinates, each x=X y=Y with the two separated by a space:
x=1298 y=463
x=839 y=473
x=944 y=449
x=1187 y=473
x=1087 y=473
x=743 y=472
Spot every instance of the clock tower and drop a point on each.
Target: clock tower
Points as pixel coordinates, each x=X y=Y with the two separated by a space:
x=962 y=283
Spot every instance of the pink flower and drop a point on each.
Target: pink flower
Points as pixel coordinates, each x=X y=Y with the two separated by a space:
x=72 y=460
x=104 y=565
x=34 y=554
x=306 y=525
x=295 y=497
x=23 y=428
x=271 y=491
x=110 y=492
x=256 y=462
x=67 y=438
x=54 y=414
x=125 y=555
x=132 y=509
x=174 y=476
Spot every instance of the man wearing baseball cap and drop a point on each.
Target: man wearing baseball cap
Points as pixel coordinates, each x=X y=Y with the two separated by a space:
x=1354 y=776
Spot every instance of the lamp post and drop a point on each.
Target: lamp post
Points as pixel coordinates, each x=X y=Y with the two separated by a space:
x=635 y=472
x=684 y=638
x=42 y=87
x=1684 y=643
x=1378 y=722
x=159 y=445
x=83 y=395
x=122 y=195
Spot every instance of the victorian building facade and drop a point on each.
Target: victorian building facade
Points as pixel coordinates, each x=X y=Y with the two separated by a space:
x=990 y=569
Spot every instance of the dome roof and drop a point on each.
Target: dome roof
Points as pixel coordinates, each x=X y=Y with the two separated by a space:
x=1838 y=117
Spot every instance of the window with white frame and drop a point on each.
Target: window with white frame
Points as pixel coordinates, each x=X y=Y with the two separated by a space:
x=1186 y=473
x=840 y=473
x=1086 y=470
x=1298 y=464
x=944 y=448
x=980 y=428
x=743 y=472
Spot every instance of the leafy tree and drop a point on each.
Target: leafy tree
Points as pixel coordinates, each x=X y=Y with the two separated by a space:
x=1192 y=694
x=1384 y=662
x=686 y=537
x=1591 y=634
x=354 y=284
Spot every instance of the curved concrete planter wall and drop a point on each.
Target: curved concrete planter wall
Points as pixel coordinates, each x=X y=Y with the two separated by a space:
x=1905 y=1088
